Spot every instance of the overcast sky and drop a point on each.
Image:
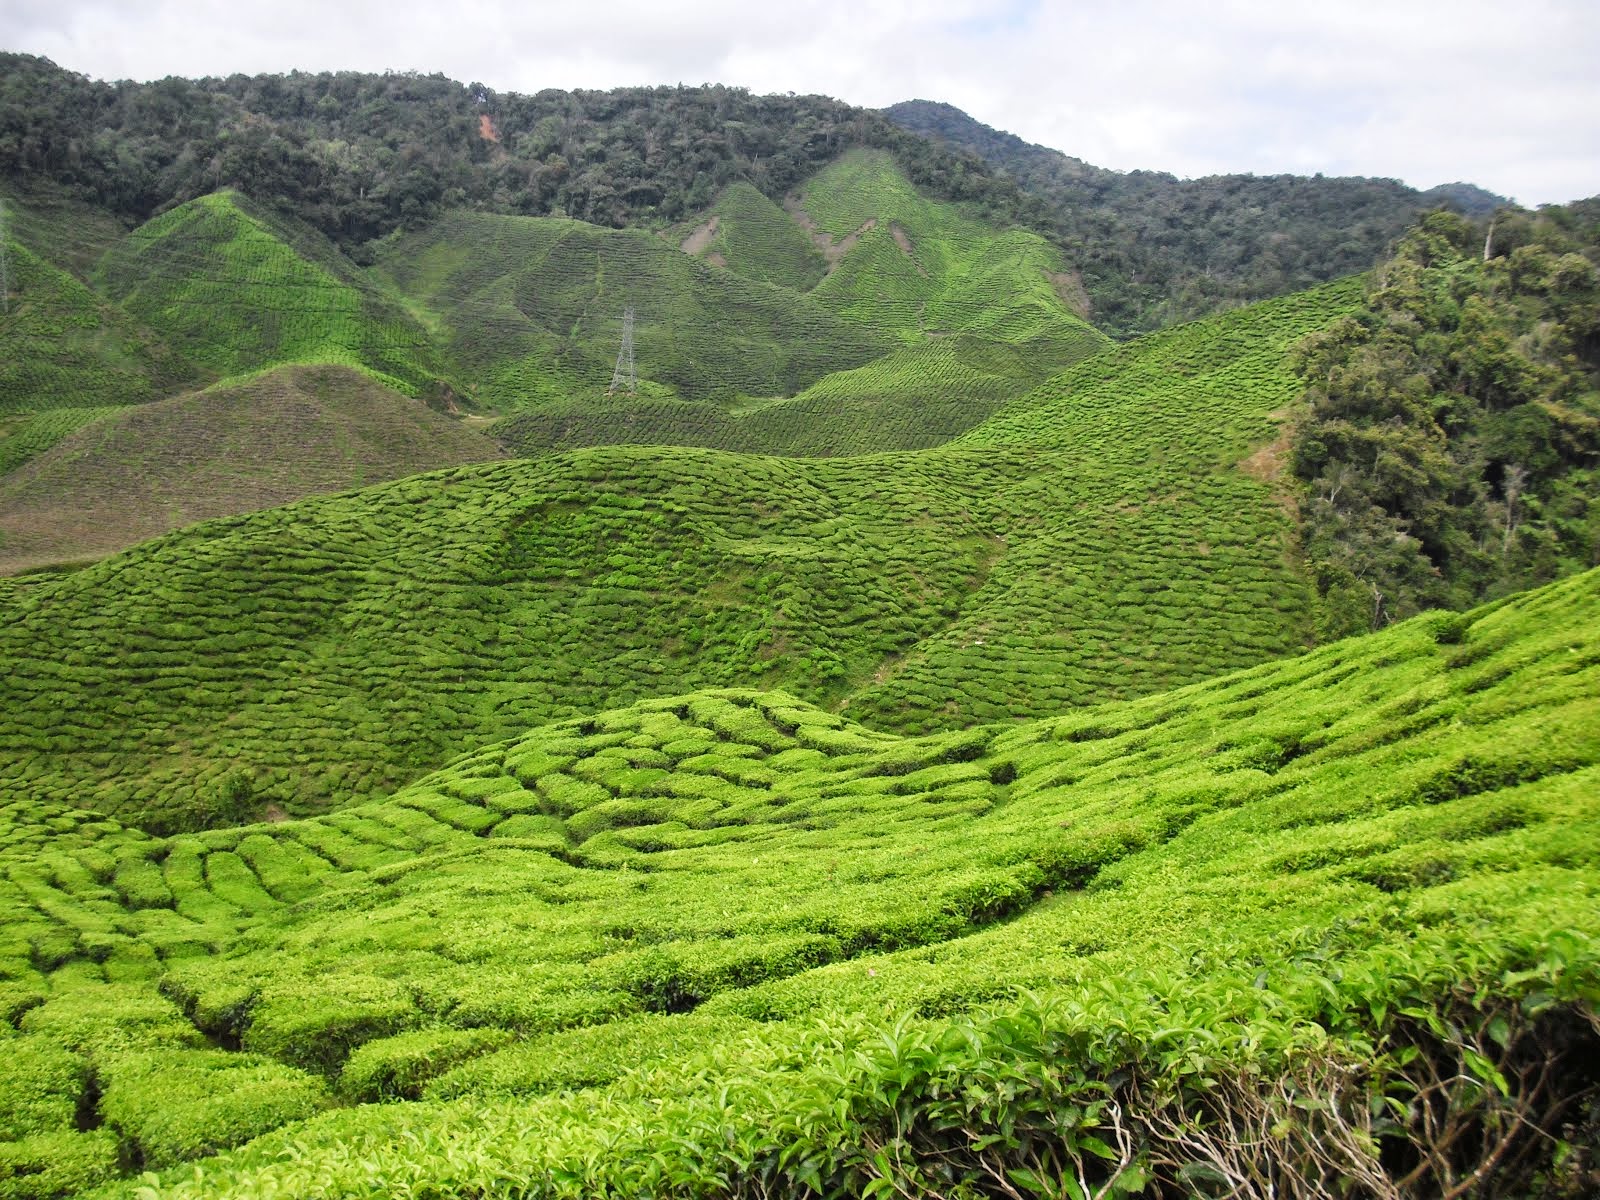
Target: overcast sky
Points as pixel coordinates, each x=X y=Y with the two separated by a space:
x=1505 y=95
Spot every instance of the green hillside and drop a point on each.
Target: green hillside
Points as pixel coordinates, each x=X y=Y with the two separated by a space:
x=913 y=398
x=887 y=349
x=238 y=289
x=332 y=650
x=61 y=229
x=62 y=346
x=232 y=448
x=27 y=435
x=530 y=310
x=765 y=944
x=914 y=267
x=751 y=236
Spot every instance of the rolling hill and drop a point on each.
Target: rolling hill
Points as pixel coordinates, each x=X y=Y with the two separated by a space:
x=889 y=348
x=726 y=942
x=236 y=288
x=751 y=236
x=312 y=655
x=530 y=310
x=232 y=448
x=64 y=346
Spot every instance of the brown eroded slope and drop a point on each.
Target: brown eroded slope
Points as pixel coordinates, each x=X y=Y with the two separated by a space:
x=233 y=448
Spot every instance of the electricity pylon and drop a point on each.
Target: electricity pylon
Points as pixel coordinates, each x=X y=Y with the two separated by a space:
x=625 y=376
x=5 y=263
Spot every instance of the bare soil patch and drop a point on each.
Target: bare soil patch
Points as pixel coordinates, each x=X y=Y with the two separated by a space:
x=1069 y=287
x=695 y=244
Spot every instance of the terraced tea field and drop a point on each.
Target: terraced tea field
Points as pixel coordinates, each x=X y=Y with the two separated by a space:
x=137 y=472
x=237 y=289
x=753 y=339
x=63 y=346
x=530 y=311
x=751 y=236
x=914 y=398
x=729 y=942
x=330 y=651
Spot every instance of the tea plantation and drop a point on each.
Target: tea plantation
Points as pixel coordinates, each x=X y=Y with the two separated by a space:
x=336 y=648
x=530 y=310
x=748 y=314
x=751 y=236
x=885 y=756
x=63 y=346
x=238 y=288
x=727 y=943
x=139 y=471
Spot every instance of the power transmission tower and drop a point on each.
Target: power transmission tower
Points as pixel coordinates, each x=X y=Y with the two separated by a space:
x=624 y=376
x=5 y=263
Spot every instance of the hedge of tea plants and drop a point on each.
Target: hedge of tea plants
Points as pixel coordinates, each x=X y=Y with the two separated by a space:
x=727 y=943
x=236 y=289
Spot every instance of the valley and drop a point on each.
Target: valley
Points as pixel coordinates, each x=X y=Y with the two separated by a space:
x=921 y=741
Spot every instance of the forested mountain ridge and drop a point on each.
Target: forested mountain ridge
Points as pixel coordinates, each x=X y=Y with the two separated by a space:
x=361 y=155
x=1157 y=249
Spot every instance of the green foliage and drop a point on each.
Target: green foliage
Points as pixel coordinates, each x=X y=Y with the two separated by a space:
x=359 y=156
x=175 y=1106
x=314 y=1023
x=40 y=1086
x=1153 y=249
x=1451 y=449
x=399 y=1067
x=238 y=289
x=56 y=1165
x=27 y=436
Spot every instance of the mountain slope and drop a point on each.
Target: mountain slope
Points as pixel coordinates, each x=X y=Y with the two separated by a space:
x=63 y=346
x=237 y=290
x=763 y=940
x=914 y=268
x=1155 y=249
x=333 y=649
x=232 y=448
x=751 y=236
x=531 y=310
x=894 y=348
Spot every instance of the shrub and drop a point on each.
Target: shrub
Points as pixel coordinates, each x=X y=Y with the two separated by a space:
x=171 y=1107
x=399 y=1067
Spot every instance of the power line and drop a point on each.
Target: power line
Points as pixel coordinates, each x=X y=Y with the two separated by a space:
x=625 y=376
x=5 y=263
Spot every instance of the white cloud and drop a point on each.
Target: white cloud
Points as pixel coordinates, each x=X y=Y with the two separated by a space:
x=1424 y=91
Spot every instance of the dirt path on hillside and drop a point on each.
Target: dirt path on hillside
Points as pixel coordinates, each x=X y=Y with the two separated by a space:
x=832 y=251
x=696 y=243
